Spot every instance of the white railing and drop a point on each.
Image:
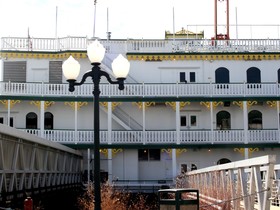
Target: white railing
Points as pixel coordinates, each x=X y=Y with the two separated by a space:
x=145 y=90
x=130 y=45
x=192 y=137
x=251 y=183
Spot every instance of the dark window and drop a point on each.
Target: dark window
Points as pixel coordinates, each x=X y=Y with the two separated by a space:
x=182 y=77
x=148 y=154
x=223 y=161
x=31 y=120
x=253 y=75
x=183 y=121
x=154 y=154
x=222 y=75
x=255 y=119
x=192 y=76
x=193 y=120
x=1 y=120
x=48 y=120
x=143 y=154
x=278 y=74
x=11 y=122
x=223 y=120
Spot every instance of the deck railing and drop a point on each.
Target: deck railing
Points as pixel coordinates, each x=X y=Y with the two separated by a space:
x=140 y=45
x=191 y=137
x=145 y=90
x=248 y=183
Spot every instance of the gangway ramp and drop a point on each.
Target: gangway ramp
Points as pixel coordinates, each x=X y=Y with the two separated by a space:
x=28 y=162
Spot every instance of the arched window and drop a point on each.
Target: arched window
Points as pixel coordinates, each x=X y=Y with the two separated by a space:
x=223 y=161
x=222 y=75
x=31 y=120
x=253 y=75
x=48 y=121
x=223 y=120
x=255 y=119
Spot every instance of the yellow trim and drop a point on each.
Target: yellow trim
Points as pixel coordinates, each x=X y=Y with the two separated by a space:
x=145 y=57
x=12 y=103
x=38 y=55
x=79 y=104
x=272 y=104
x=146 y=104
x=46 y=104
x=208 y=57
x=242 y=150
x=181 y=104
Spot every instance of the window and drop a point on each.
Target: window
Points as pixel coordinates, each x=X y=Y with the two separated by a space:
x=3 y=121
x=192 y=76
x=182 y=77
x=148 y=154
x=48 y=121
x=222 y=75
x=188 y=120
x=223 y=120
x=255 y=119
x=223 y=161
x=253 y=75
x=31 y=120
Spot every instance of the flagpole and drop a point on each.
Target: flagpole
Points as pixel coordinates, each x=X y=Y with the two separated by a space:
x=95 y=1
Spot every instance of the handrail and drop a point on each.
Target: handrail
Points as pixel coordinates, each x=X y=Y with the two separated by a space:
x=172 y=90
x=140 y=46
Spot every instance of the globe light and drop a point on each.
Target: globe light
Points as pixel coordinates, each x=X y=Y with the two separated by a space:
x=95 y=52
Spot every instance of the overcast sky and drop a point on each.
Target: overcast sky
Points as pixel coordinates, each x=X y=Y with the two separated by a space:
x=134 y=18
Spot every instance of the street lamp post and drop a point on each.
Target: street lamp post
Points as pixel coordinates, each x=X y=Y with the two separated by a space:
x=71 y=70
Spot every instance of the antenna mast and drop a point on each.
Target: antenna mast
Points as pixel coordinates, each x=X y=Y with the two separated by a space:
x=95 y=1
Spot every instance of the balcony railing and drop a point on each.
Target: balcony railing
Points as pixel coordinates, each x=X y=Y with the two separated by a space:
x=139 y=45
x=173 y=90
x=193 y=137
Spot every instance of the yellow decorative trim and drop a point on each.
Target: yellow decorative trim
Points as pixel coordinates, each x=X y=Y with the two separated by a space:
x=178 y=151
x=205 y=103
x=40 y=55
x=209 y=57
x=146 y=104
x=145 y=57
x=104 y=151
x=12 y=103
x=251 y=103
x=116 y=151
x=181 y=104
x=215 y=104
x=79 y=104
x=238 y=103
x=114 y=104
x=242 y=150
x=272 y=104
x=46 y=104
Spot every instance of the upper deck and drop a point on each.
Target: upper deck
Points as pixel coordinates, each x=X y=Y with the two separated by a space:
x=19 y=44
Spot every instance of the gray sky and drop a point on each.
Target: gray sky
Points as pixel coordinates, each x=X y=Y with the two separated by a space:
x=134 y=18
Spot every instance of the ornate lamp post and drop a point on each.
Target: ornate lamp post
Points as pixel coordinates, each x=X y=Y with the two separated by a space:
x=71 y=70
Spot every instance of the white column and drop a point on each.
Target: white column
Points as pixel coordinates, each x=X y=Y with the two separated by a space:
x=212 y=122
x=9 y=112
x=110 y=157
x=42 y=117
x=245 y=120
x=178 y=139
x=174 y=163
x=76 y=122
x=144 y=123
